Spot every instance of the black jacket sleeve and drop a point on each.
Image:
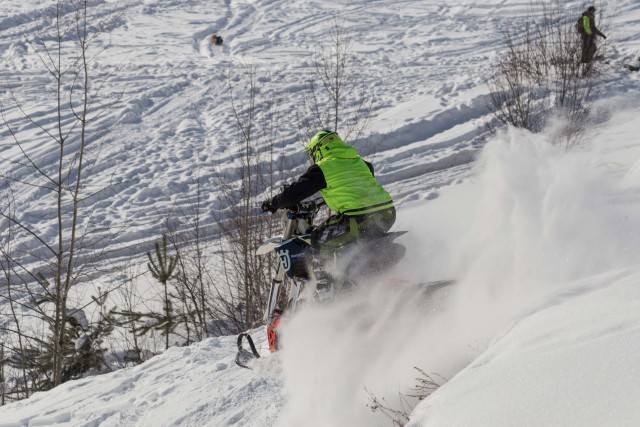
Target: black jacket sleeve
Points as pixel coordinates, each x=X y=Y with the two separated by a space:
x=597 y=31
x=307 y=185
x=594 y=29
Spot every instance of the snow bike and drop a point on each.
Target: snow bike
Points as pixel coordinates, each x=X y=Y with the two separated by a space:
x=302 y=279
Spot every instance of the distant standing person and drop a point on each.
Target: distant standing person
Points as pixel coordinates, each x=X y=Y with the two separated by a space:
x=588 y=31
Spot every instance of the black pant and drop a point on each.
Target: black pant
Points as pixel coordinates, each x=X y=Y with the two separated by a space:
x=340 y=230
x=588 y=48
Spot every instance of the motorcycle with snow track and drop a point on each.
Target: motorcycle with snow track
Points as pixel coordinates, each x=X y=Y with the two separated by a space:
x=297 y=281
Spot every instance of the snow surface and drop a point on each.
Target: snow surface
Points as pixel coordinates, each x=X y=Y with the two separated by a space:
x=542 y=325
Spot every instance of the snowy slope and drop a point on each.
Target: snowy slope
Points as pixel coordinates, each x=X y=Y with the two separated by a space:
x=549 y=338
x=540 y=328
x=197 y=385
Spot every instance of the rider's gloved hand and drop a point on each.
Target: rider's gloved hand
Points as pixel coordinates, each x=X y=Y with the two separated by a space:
x=268 y=207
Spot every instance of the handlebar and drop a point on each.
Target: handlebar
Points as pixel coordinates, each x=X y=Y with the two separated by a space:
x=308 y=205
x=303 y=207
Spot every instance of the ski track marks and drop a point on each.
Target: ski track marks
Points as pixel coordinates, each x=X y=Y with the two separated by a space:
x=182 y=95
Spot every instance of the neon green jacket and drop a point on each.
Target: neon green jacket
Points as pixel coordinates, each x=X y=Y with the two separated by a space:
x=351 y=187
x=586 y=24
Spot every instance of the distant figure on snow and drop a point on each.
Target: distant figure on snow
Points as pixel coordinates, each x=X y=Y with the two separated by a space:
x=216 y=40
x=587 y=29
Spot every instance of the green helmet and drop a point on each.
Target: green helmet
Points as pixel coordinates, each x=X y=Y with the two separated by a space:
x=320 y=139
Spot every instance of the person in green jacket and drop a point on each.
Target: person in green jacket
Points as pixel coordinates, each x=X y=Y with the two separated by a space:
x=362 y=208
x=588 y=32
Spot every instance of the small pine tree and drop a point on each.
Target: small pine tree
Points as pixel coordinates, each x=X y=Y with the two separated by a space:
x=88 y=356
x=162 y=268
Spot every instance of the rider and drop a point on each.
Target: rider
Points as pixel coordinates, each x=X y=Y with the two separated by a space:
x=363 y=208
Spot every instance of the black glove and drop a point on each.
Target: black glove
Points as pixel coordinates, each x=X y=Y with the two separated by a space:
x=604 y=37
x=268 y=207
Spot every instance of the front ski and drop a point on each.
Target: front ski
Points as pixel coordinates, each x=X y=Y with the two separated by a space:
x=245 y=357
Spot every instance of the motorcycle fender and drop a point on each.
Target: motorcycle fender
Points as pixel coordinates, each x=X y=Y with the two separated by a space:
x=269 y=246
